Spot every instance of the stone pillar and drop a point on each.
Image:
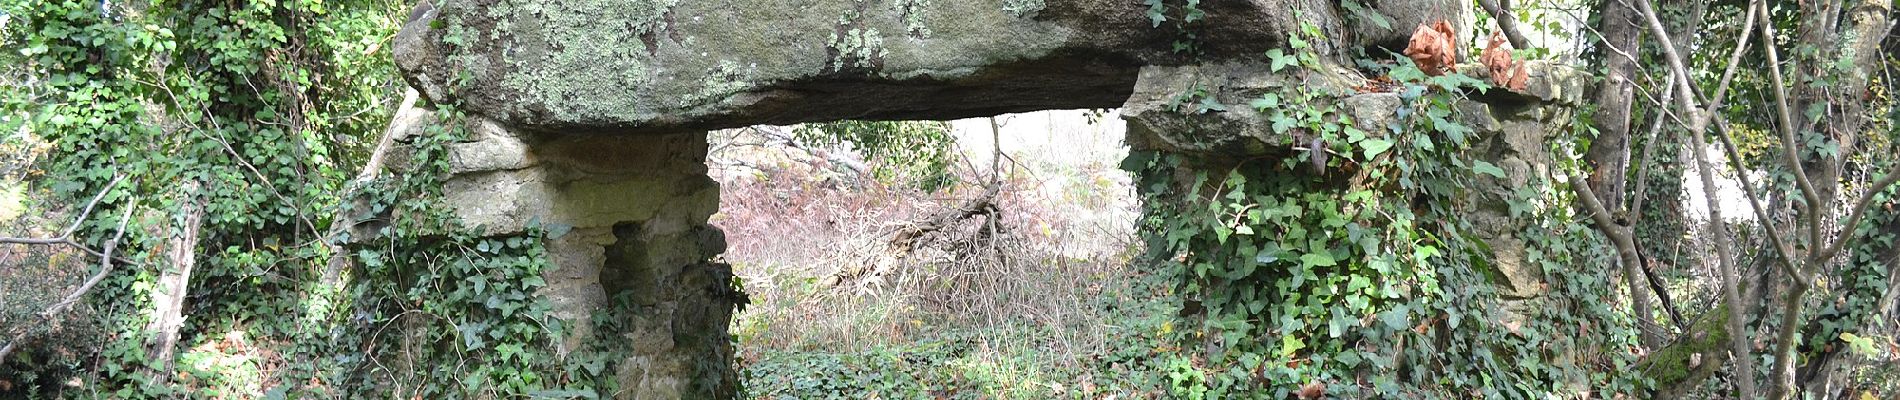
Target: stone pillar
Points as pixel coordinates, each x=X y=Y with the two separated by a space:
x=639 y=251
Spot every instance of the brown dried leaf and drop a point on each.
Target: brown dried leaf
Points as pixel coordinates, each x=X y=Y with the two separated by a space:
x=1505 y=71
x=1433 y=47
x=1312 y=390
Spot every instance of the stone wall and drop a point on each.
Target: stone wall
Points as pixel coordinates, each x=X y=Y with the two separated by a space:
x=640 y=247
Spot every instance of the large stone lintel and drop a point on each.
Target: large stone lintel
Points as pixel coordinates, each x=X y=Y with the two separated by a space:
x=663 y=66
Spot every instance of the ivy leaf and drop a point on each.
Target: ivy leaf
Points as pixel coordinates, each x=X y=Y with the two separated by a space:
x=1270 y=100
x=1156 y=12
x=1267 y=255
x=509 y=350
x=1283 y=123
x=1318 y=260
x=1336 y=325
x=1375 y=16
x=1280 y=59
x=1483 y=167
x=1395 y=319
x=1860 y=345
x=1290 y=345
x=1358 y=283
x=1374 y=147
x=1459 y=80
x=1209 y=104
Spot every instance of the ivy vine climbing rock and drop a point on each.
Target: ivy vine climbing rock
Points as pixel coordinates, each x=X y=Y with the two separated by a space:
x=1333 y=240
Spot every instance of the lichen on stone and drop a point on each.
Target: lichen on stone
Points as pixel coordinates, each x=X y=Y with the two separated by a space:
x=854 y=46
x=912 y=12
x=723 y=80
x=574 y=46
x=1024 y=8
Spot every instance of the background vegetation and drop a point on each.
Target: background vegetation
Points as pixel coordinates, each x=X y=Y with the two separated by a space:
x=231 y=137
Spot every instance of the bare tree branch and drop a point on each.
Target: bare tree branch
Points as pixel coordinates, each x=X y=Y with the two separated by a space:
x=1846 y=237
x=1649 y=149
x=105 y=268
x=66 y=236
x=1789 y=152
x=1624 y=239
x=1699 y=119
x=1775 y=238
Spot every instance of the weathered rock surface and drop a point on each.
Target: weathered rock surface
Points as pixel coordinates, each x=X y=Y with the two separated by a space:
x=665 y=66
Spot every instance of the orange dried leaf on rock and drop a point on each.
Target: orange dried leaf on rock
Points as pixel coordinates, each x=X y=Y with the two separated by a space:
x=1434 y=48
x=1505 y=71
x=1520 y=79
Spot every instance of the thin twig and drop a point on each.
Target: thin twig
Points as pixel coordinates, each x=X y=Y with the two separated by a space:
x=1846 y=237
x=1649 y=149
x=1782 y=251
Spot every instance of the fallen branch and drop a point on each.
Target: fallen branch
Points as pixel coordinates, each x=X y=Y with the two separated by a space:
x=65 y=238
x=906 y=236
x=168 y=298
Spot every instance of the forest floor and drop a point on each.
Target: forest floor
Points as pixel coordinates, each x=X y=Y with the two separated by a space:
x=1019 y=303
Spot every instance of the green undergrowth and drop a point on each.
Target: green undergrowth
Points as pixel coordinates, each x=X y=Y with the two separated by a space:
x=950 y=365
x=953 y=363
x=1351 y=266
x=259 y=114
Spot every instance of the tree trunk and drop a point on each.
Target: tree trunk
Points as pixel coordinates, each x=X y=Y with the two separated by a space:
x=168 y=297
x=1610 y=152
x=1834 y=31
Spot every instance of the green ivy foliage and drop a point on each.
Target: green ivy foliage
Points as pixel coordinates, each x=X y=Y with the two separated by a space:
x=434 y=310
x=1347 y=264
x=917 y=153
x=1184 y=16
x=1863 y=280
x=253 y=111
x=266 y=108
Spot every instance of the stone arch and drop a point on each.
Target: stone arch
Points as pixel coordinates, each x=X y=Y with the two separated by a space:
x=592 y=114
